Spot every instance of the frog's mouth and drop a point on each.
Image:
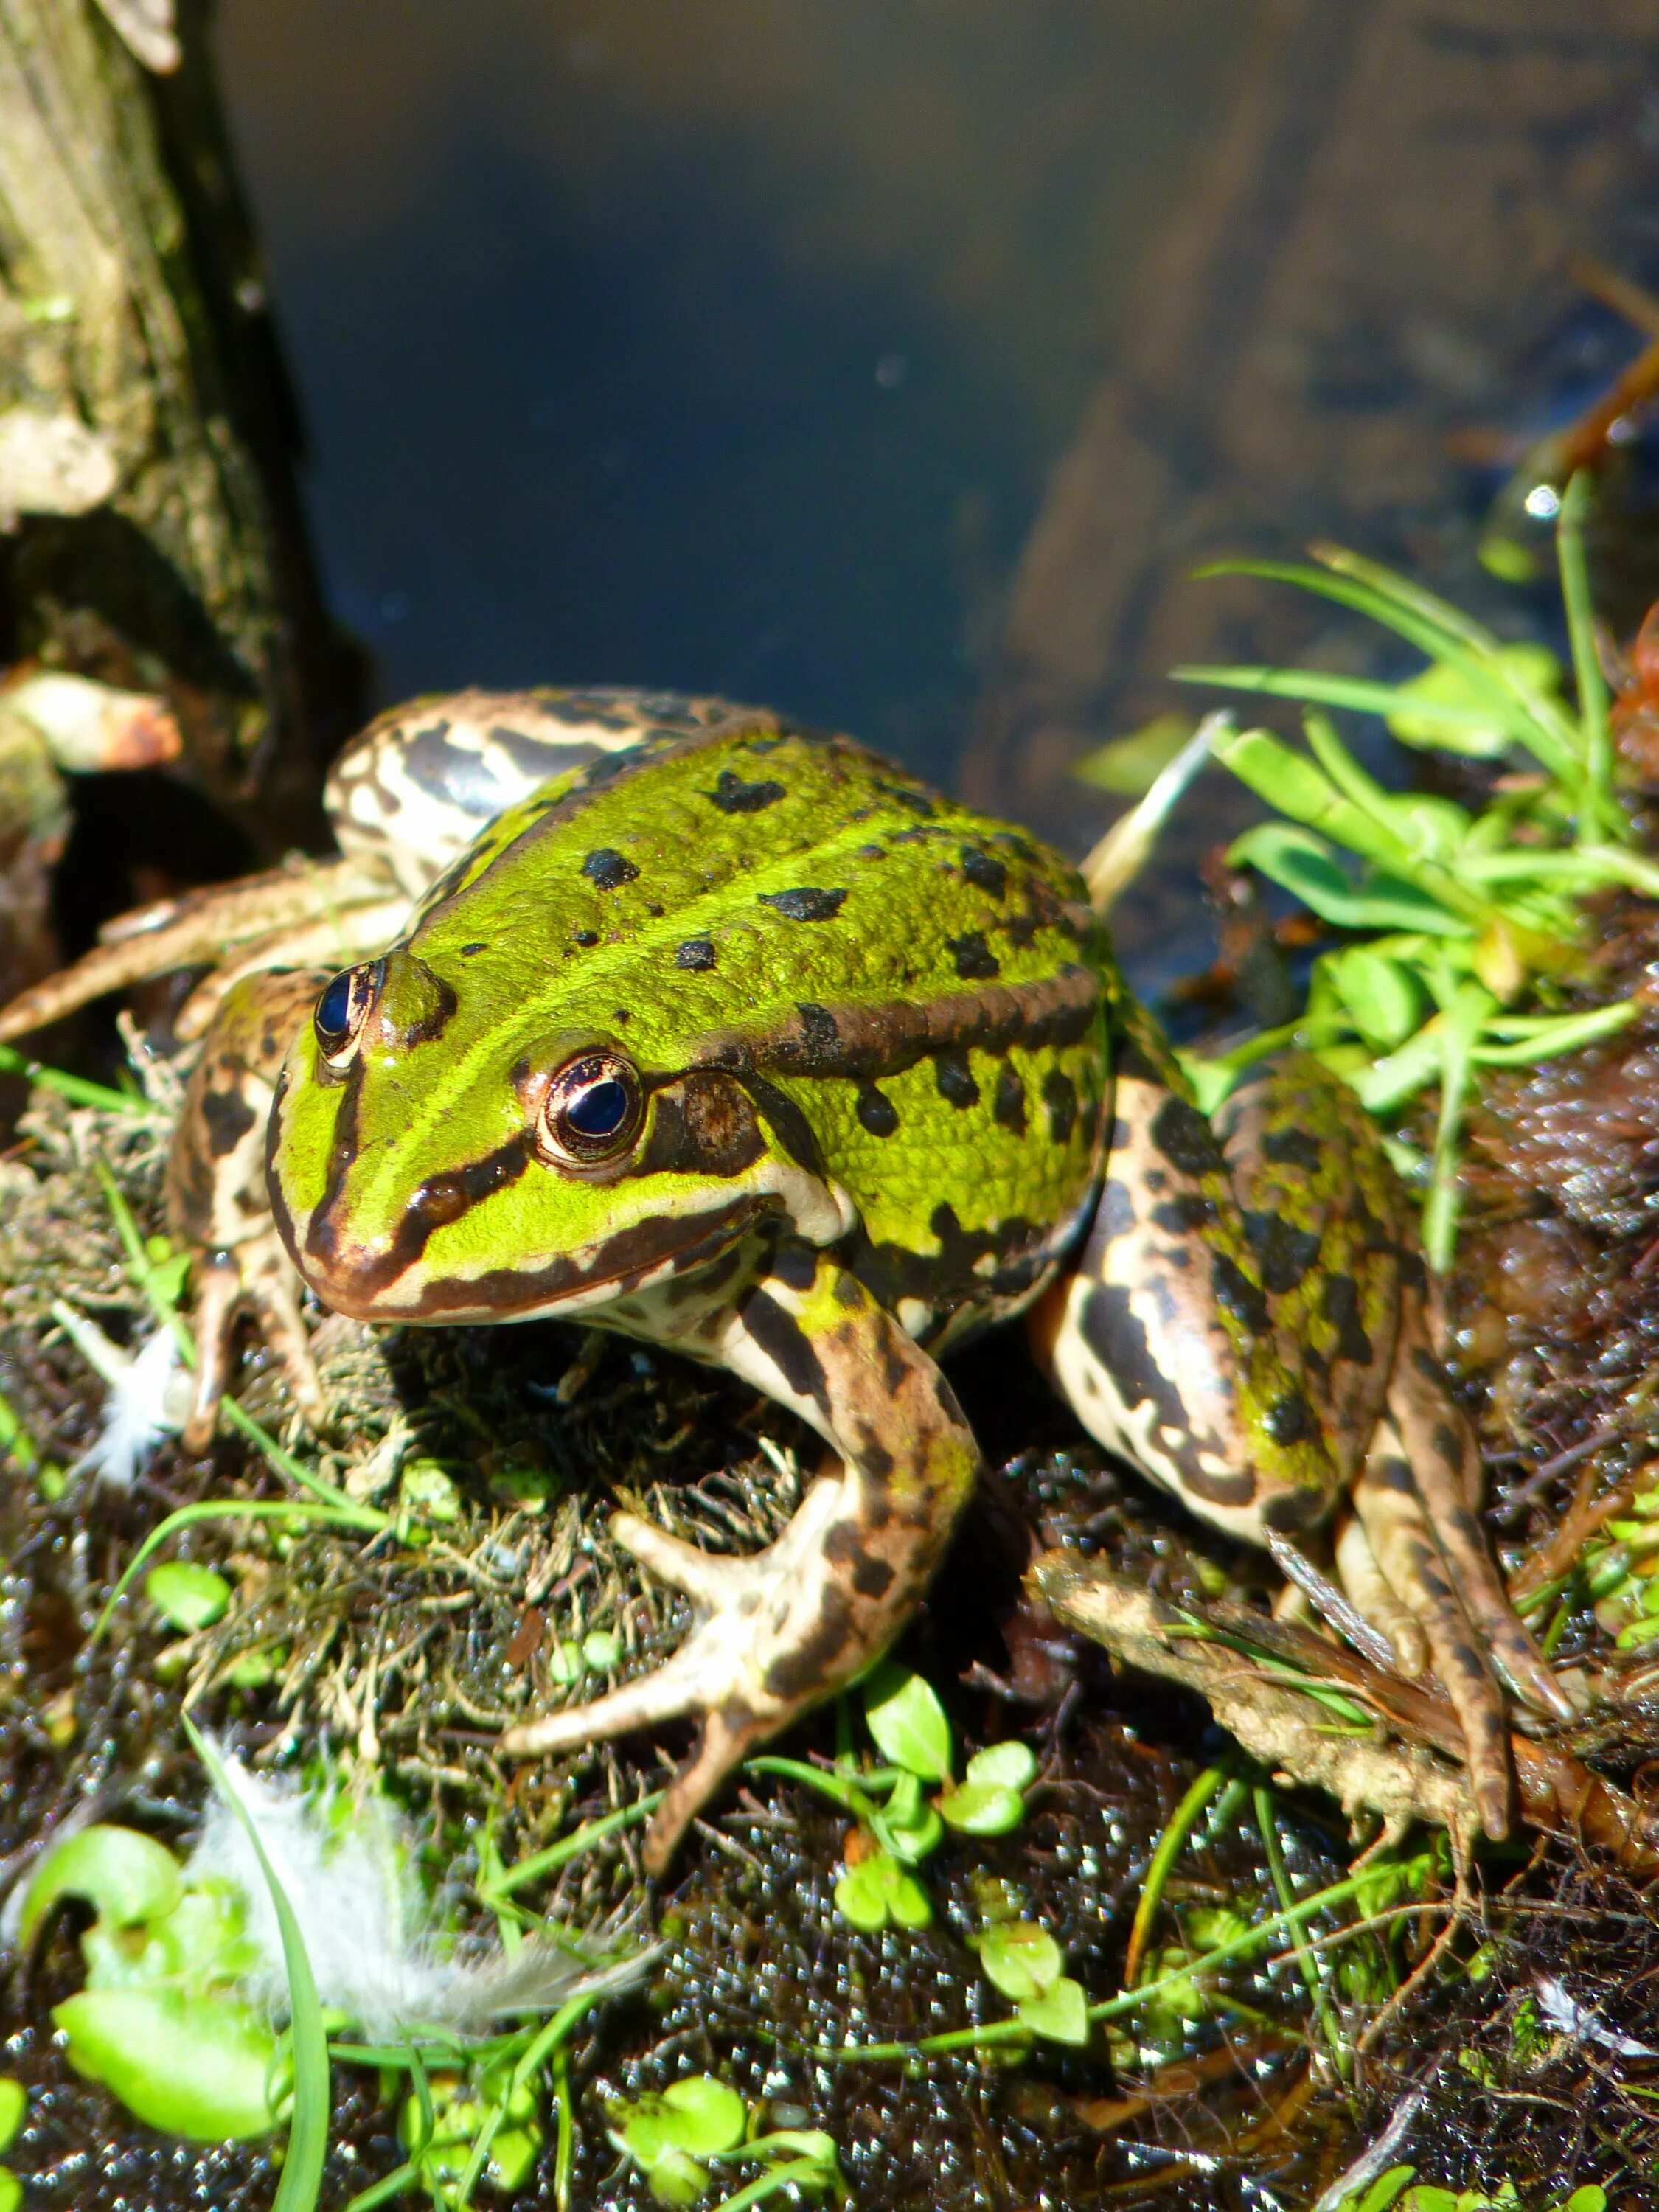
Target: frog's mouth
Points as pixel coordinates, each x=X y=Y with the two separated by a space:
x=387 y=1282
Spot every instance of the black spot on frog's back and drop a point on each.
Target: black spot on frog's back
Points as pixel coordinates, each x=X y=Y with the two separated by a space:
x=985 y=873
x=954 y=1077
x=1059 y=1096
x=1295 y=1148
x=608 y=869
x=976 y=962
x=1008 y=1104
x=1185 y=1140
x=697 y=953
x=734 y=796
x=1286 y=1253
x=805 y=902
x=876 y=1111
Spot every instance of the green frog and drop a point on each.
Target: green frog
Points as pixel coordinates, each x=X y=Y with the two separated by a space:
x=739 y=1040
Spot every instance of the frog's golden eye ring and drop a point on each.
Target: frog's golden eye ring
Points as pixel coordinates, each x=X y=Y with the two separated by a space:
x=341 y=1005
x=592 y=1110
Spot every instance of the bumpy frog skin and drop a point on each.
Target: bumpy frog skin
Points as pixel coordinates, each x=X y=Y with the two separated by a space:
x=740 y=1040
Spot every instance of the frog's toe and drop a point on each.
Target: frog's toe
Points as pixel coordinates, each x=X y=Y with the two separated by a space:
x=1368 y=1587
x=712 y=1580
x=704 y=1679
x=1403 y=1543
x=257 y=1272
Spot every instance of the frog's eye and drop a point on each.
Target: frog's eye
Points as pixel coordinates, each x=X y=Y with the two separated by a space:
x=340 y=1009
x=593 y=1110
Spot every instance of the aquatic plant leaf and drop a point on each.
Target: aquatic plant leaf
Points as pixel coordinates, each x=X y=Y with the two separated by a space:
x=1021 y=1958
x=677 y=2179
x=1011 y=1765
x=983 y=1808
x=877 y=1890
x=904 y=1716
x=14 y=2103
x=1128 y=767
x=1420 y=716
x=1381 y=996
x=1381 y=2193
x=190 y=1596
x=11 y=2190
x=1302 y=863
x=1060 y=2012
x=191 y=2068
x=127 y=1877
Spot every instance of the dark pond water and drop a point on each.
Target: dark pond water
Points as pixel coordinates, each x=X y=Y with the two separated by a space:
x=725 y=347
x=892 y=361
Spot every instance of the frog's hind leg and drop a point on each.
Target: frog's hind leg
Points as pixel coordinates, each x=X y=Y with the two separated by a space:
x=776 y=1634
x=1416 y=1498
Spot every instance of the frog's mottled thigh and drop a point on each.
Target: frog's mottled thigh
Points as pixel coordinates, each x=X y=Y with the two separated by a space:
x=777 y=1633
x=1309 y=1246
x=217 y=1205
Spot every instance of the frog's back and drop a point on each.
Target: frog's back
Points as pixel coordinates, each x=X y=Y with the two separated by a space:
x=915 y=992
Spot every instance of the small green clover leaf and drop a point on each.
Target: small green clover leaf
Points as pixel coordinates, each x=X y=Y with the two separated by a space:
x=1382 y=2191
x=127 y=1877
x=907 y=1827
x=991 y=1801
x=11 y=2190
x=158 y=2022
x=1060 y=2014
x=671 y=2133
x=191 y=1597
x=1022 y=1960
x=14 y=2103
x=877 y=1890
x=193 y=2069
x=441 y=2136
x=427 y=1491
x=904 y=1716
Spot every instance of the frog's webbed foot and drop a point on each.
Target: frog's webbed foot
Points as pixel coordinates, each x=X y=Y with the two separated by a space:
x=748 y=1612
x=217 y=1204
x=778 y=1633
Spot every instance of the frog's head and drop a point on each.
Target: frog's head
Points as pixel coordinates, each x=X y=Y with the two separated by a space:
x=454 y=1140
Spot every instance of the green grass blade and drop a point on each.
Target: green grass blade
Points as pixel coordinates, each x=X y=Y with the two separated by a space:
x=1600 y=815
x=1357 y=694
x=75 y=1088
x=1470 y=1007
x=1552 y=1036
x=1266 y=1820
x=1546 y=732
x=263 y=1509
x=301 y=2182
x=571 y=1846
x=1170 y=1845
x=383 y=2190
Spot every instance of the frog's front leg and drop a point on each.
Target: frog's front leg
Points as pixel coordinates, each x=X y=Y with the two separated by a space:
x=217 y=1204
x=778 y=1633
